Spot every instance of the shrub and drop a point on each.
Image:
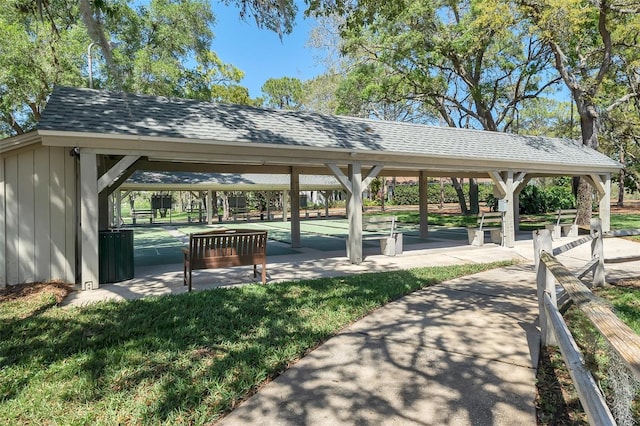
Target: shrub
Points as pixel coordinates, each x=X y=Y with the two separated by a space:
x=535 y=200
x=406 y=194
x=410 y=194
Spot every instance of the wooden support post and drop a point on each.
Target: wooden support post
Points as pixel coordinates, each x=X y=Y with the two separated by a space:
x=3 y=233
x=89 y=220
x=118 y=208
x=295 y=207
x=214 y=205
x=602 y=184
x=355 y=213
x=424 y=205
x=326 y=204
x=354 y=184
x=597 y=251
x=546 y=283
x=508 y=185
x=285 y=205
x=209 y=207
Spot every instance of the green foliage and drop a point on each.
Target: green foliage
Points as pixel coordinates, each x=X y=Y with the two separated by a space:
x=409 y=194
x=535 y=199
x=471 y=63
x=405 y=195
x=34 y=56
x=161 y=47
x=283 y=93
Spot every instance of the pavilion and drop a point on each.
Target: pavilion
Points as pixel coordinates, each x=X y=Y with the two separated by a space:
x=55 y=181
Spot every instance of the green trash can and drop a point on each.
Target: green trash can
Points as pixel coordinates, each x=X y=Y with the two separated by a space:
x=115 y=253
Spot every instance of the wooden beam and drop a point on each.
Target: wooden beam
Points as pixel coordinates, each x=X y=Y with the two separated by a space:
x=373 y=172
x=114 y=172
x=498 y=180
x=342 y=178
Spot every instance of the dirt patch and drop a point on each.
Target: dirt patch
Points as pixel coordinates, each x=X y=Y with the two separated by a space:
x=628 y=283
x=29 y=291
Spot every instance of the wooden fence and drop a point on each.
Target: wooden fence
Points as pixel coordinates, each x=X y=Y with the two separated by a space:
x=553 y=329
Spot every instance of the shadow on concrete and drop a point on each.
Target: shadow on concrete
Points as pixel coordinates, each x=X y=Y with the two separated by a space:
x=449 y=354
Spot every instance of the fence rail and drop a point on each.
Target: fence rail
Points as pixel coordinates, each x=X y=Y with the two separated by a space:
x=624 y=341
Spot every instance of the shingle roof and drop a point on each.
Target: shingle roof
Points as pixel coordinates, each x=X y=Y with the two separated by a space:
x=86 y=110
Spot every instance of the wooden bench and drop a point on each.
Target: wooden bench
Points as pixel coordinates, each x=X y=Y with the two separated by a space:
x=566 y=224
x=242 y=212
x=487 y=222
x=382 y=228
x=225 y=248
x=138 y=213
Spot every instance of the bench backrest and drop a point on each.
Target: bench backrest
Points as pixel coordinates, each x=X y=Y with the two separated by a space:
x=490 y=219
x=380 y=224
x=570 y=214
x=227 y=242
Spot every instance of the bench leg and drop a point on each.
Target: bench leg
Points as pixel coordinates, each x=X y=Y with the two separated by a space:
x=184 y=275
x=264 y=273
x=255 y=271
x=555 y=231
x=570 y=230
x=391 y=246
x=476 y=237
x=496 y=236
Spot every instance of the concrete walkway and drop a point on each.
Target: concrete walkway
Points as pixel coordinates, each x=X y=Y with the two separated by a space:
x=462 y=352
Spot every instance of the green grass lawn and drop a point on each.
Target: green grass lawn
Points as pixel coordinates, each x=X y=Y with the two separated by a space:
x=527 y=222
x=183 y=359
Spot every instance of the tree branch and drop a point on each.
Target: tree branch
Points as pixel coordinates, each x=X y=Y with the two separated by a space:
x=10 y=119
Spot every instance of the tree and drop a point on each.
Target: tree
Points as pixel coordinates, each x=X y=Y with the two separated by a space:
x=34 y=56
x=472 y=63
x=320 y=92
x=591 y=42
x=277 y=15
x=159 y=47
x=283 y=93
x=546 y=117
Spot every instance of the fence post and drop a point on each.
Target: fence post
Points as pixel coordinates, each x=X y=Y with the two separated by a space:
x=546 y=283
x=597 y=250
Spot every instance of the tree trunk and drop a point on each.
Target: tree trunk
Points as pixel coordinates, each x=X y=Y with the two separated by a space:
x=225 y=205
x=621 y=180
x=584 y=193
x=460 y=192
x=474 y=201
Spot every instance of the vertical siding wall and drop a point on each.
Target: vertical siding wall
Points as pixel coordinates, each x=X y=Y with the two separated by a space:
x=37 y=202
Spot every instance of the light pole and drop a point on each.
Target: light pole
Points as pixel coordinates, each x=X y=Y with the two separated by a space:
x=89 y=63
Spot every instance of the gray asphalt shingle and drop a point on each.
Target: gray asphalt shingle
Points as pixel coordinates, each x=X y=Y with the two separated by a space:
x=86 y=110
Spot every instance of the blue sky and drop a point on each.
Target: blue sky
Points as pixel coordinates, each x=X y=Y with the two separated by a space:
x=260 y=53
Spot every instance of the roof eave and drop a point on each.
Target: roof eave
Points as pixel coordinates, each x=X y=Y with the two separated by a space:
x=212 y=151
x=20 y=141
